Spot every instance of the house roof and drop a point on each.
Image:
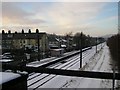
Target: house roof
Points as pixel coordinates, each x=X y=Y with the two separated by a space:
x=22 y=35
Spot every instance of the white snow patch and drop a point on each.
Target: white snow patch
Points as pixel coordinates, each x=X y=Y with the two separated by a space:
x=91 y=62
x=99 y=62
x=7 y=76
x=6 y=60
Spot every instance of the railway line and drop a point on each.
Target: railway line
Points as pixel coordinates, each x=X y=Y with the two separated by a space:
x=69 y=61
x=36 y=80
x=43 y=78
x=59 y=63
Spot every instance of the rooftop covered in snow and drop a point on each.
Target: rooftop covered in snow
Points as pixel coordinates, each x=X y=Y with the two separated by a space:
x=7 y=76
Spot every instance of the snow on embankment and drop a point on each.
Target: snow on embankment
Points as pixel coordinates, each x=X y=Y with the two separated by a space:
x=99 y=62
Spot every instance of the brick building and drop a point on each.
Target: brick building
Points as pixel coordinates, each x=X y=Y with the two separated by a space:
x=22 y=40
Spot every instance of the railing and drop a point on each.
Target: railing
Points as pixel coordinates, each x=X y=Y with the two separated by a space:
x=87 y=74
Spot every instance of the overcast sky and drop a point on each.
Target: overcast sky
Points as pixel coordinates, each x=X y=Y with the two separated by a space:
x=93 y=18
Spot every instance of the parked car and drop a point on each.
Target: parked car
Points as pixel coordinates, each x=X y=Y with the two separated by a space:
x=7 y=56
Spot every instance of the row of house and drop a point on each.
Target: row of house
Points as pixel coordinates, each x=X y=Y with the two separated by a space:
x=60 y=41
x=22 y=40
x=32 y=40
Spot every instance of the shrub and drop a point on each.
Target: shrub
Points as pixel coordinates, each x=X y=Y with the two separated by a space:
x=114 y=46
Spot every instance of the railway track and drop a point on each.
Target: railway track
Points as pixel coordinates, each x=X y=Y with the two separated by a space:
x=51 y=66
x=39 y=78
x=60 y=59
x=54 y=66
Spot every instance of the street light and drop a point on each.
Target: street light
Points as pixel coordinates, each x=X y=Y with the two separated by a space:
x=96 y=44
x=81 y=50
x=38 y=43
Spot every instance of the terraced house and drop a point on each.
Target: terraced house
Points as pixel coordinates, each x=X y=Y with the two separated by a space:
x=25 y=40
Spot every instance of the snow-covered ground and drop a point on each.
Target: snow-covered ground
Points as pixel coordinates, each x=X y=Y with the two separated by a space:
x=6 y=60
x=51 y=59
x=7 y=76
x=92 y=61
x=47 y=60
x=100 y=62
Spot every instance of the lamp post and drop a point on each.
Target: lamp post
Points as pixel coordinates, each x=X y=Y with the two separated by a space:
x=96 y=44
x=113 y=82
x=38 y=44
x=101 y=45
x=81 y=50
x=91 y=42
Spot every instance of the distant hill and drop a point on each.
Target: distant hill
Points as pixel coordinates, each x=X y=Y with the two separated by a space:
x=107 y=36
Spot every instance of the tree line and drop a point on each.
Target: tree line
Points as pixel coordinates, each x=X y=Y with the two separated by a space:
x=114 y=46
x=87 y=40
x=78 y=38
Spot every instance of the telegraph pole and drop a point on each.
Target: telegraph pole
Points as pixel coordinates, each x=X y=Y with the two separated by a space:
x=113 y=83
x=81 y=50
x=38 y=43
x=38 y=49
x=96 y=44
